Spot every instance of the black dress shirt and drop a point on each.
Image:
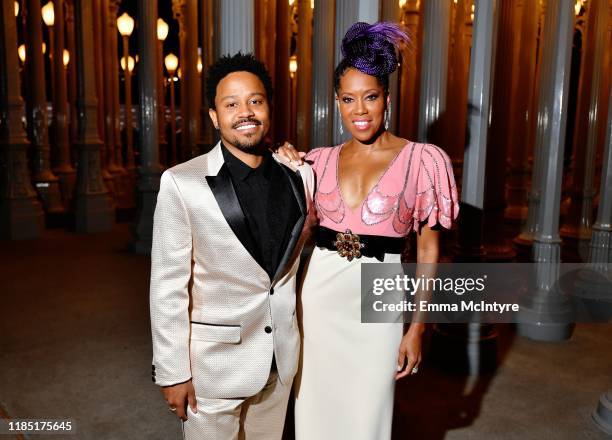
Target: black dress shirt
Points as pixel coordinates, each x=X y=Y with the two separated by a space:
x=269 y=205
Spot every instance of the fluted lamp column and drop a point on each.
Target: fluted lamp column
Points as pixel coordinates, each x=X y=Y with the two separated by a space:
x=48 y=16
x=528 y=230
x=391 y=11
x=237 y=26
x=596 y=114
x=60 y=158
x=303 y=83
x=496 y=247
x=125 y=24
x=592 y=286
x=126 y=199
x=473 y=348
x=178 y=11
x=209 y=14
x=171 y=61
x=282 y=82
x=293 y=69
x=108 y=104
x=162 y=34
x=590 y=116
x=547 y=312
x=21 y=55
x=149 y=171
x=322 y=65
x=93 y=206
x=601 y=255
x=45 y=181
x=409 y=72
x=98 y=27
x=72 y=83
x=190 y=82
x=21 y=215
x=520 y=136
x=436 y=29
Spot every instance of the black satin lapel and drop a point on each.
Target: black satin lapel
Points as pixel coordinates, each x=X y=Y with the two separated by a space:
x=293 y=239
x=297 y=186
x=298 y=191
x=225 y=194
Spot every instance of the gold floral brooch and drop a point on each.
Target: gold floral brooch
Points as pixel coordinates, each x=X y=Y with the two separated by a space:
x=348 y=245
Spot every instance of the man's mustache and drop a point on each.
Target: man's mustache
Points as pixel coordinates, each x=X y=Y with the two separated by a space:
x=242 y=121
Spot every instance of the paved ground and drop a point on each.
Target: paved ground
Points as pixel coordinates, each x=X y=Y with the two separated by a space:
x=75 y=342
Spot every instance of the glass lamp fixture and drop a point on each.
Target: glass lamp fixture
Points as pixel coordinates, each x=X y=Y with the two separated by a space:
x=293 y=65
x=162 y=29
x=48 y=14
x=21 y=51
x=125 y=24
x=131 y=63
x=171 y=61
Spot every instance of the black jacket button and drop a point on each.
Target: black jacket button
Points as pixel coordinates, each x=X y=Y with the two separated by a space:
x=268 y=329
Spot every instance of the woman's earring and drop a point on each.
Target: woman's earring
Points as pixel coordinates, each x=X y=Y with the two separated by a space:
x=339 y=118
x=387 y=116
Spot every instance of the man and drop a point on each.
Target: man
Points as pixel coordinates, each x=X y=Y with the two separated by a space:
x=228 y=230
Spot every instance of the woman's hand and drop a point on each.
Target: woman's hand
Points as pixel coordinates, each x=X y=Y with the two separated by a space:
x=289 y=152
x=410 y=351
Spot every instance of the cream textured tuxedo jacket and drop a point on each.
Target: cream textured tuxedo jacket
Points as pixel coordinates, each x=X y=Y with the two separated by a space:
x=216 y=316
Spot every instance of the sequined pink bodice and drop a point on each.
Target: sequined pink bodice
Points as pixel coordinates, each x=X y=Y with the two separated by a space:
x=417 y=185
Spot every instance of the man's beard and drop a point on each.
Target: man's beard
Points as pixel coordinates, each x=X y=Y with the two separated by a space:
x=253 y=141
x=251 y=145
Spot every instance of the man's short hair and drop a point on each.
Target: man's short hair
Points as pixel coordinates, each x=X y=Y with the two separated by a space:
x=235 y=63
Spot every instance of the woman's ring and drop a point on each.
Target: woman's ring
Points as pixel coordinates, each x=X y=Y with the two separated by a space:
x=415 y=370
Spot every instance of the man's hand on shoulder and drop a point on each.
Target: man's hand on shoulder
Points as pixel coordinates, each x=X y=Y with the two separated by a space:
x=178 y=397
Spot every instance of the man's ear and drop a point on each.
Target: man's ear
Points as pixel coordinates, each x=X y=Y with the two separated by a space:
x=213 y=117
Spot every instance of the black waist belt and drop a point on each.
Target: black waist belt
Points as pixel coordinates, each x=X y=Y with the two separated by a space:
x=349 y=245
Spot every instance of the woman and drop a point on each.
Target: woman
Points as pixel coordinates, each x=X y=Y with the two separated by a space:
x=380 y=187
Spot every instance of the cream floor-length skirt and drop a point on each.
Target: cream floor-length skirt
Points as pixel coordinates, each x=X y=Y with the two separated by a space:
x=345 y=386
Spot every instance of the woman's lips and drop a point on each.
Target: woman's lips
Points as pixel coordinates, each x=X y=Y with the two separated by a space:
x=362 y=125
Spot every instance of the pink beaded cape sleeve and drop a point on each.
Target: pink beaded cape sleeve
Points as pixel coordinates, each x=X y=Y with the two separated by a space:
x=417 y=186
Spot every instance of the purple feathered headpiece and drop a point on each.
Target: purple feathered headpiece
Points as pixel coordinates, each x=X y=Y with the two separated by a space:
x=371 y=48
